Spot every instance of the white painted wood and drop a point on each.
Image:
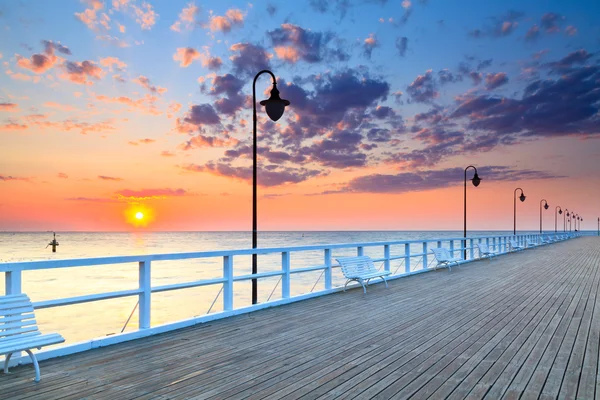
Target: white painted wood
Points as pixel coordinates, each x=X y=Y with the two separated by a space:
x=407 y=258
x=145 y=298
x=12 y=282
x=360 y=269
x=425 y=263
x=19 y=331
x=286 y=277
x=228 y=284
x=360 y=251
x=328 y=270
x=386 y=256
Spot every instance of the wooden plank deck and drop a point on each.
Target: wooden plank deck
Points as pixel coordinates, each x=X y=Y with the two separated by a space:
x=524 y=325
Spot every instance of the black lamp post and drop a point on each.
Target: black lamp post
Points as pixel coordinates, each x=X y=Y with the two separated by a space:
x=545 y=208
x=598 y=226
x=476 y=181
x=579 y=219
x=557 y=208
x=522 y=198
x=570 y=218
x=275 y=106
x=565 y=219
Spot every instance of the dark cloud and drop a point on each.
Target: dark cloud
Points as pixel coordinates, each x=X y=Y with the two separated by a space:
x=50 y=47
x=533 y=33
x=339 y=7
x=499 y=26
x=248 y=59
x=423 y=88
x=565 y=106
x=402 y=45
x=484 y=64
x=440 y=143
x=567 y=63
x=109 y=178
x=6 y=178
x=203 y=114
x=445 y=76
x=226 y=84
x=477 y=77
x=267 y=176
x=550 y=22
x=379 y=135
x=293 y=43
x=382 y=112
x=434 y=179
x=493 y=81
x=340 y=150
x=271 y=9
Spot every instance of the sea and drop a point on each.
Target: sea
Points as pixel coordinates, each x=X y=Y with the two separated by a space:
x=86 y=321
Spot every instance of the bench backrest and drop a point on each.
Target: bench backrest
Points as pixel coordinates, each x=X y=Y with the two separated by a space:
x=353 y=266
x=16 y=317
x=483 y=247
x=441 y=254
x=513 y=243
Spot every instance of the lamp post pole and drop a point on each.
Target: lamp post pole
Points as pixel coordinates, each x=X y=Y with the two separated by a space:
x=598 y=226
x=565 y=219
x=545 y=207
x=476 y=181
x=557 y=208
x=275 y=107
x=522 y=198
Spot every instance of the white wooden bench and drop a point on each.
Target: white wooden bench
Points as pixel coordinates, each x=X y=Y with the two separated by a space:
x=19 y=331
x=484 y=251
x=444 y=258
x=361 y=270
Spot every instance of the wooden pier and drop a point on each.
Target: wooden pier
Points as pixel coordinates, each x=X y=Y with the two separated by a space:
x=524 y=325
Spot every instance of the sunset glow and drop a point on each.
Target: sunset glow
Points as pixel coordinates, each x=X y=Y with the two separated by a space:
x=143 y=109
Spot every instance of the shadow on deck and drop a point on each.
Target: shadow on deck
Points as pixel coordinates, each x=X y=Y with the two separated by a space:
x=522 y=325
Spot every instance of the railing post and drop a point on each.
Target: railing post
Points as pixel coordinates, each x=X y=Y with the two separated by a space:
x=407 y=257
x=386 y=255
x=328 y=271
x=452 y=248
x=12 y=282
x=285 y=279
x=360 y=251
x=425 y=255
x=228 y=284
x=145 y=298
x=472 y=250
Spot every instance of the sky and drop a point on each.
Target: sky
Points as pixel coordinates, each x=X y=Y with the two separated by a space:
x=122 y=115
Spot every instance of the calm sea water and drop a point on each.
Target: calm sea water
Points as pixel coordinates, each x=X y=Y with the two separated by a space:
x=89 y=320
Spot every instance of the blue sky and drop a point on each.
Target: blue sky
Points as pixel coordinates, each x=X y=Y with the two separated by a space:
x=105 y=104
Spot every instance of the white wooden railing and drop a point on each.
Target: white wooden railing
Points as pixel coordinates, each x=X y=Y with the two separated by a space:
x=411 y=257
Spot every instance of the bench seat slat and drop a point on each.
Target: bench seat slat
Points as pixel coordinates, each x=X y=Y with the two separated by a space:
x=30 y=343
x=16 y=317
x=15 y=325
x=13 y=308
x=17 y=330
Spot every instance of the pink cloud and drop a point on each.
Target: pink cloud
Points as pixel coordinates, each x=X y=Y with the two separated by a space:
x=112 y=62
x=72 y=125
x=571 y=30
x=22 y=77
x=186 y=55
x=120 y=4
x=145 y=105
x=62 y=175
x=145 y=15
x=58 y=106
x=90 y=17
x=38 y=63
x=81 y=72
x=9 y=107
x=109 y=178
x=145 y=83
x=12 y=127
x=287 y=53
x=167 y=153
x=232 y=17
x=187 y=17
x=6 y=178
x=115 y=41
x=150 y=194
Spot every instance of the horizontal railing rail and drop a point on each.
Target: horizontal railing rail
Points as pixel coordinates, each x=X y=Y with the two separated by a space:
x=405 y=251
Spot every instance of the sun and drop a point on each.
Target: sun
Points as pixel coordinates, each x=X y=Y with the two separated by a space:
x=139 y=215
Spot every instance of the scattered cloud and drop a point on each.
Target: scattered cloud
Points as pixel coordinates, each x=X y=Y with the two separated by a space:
x=109 y=178
x=150 y=194
x=187 y=18
x=293 y=43
x=145 y=15
x=185 y=56
x=493 y=81
x=62 y=175
x=112 y=63
x=91 y=16
x=423 y=88
x=402 y=45
x=82 y=73
x=6 y=178
x=12 y=127
x=249 y=58
x=113 y=40
x=224 y=23
x=145 y=83
x=369 y=44
x=9 y=107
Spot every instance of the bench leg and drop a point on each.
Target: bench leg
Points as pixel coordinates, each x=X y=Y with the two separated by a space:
x=363 y=285
x=385 y=281
x=6 y=360
x=35 y=365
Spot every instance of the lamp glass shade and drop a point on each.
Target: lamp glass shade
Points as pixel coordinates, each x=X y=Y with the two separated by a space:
x=560 y=212
x=275 y=105
x=522 y=197
x=476 y=180
x=546 y=206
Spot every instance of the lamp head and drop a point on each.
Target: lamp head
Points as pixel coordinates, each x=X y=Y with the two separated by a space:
x=546 y=206
x=559 y=211
x=476 y=180
x=275 y=105
x=522 y=196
